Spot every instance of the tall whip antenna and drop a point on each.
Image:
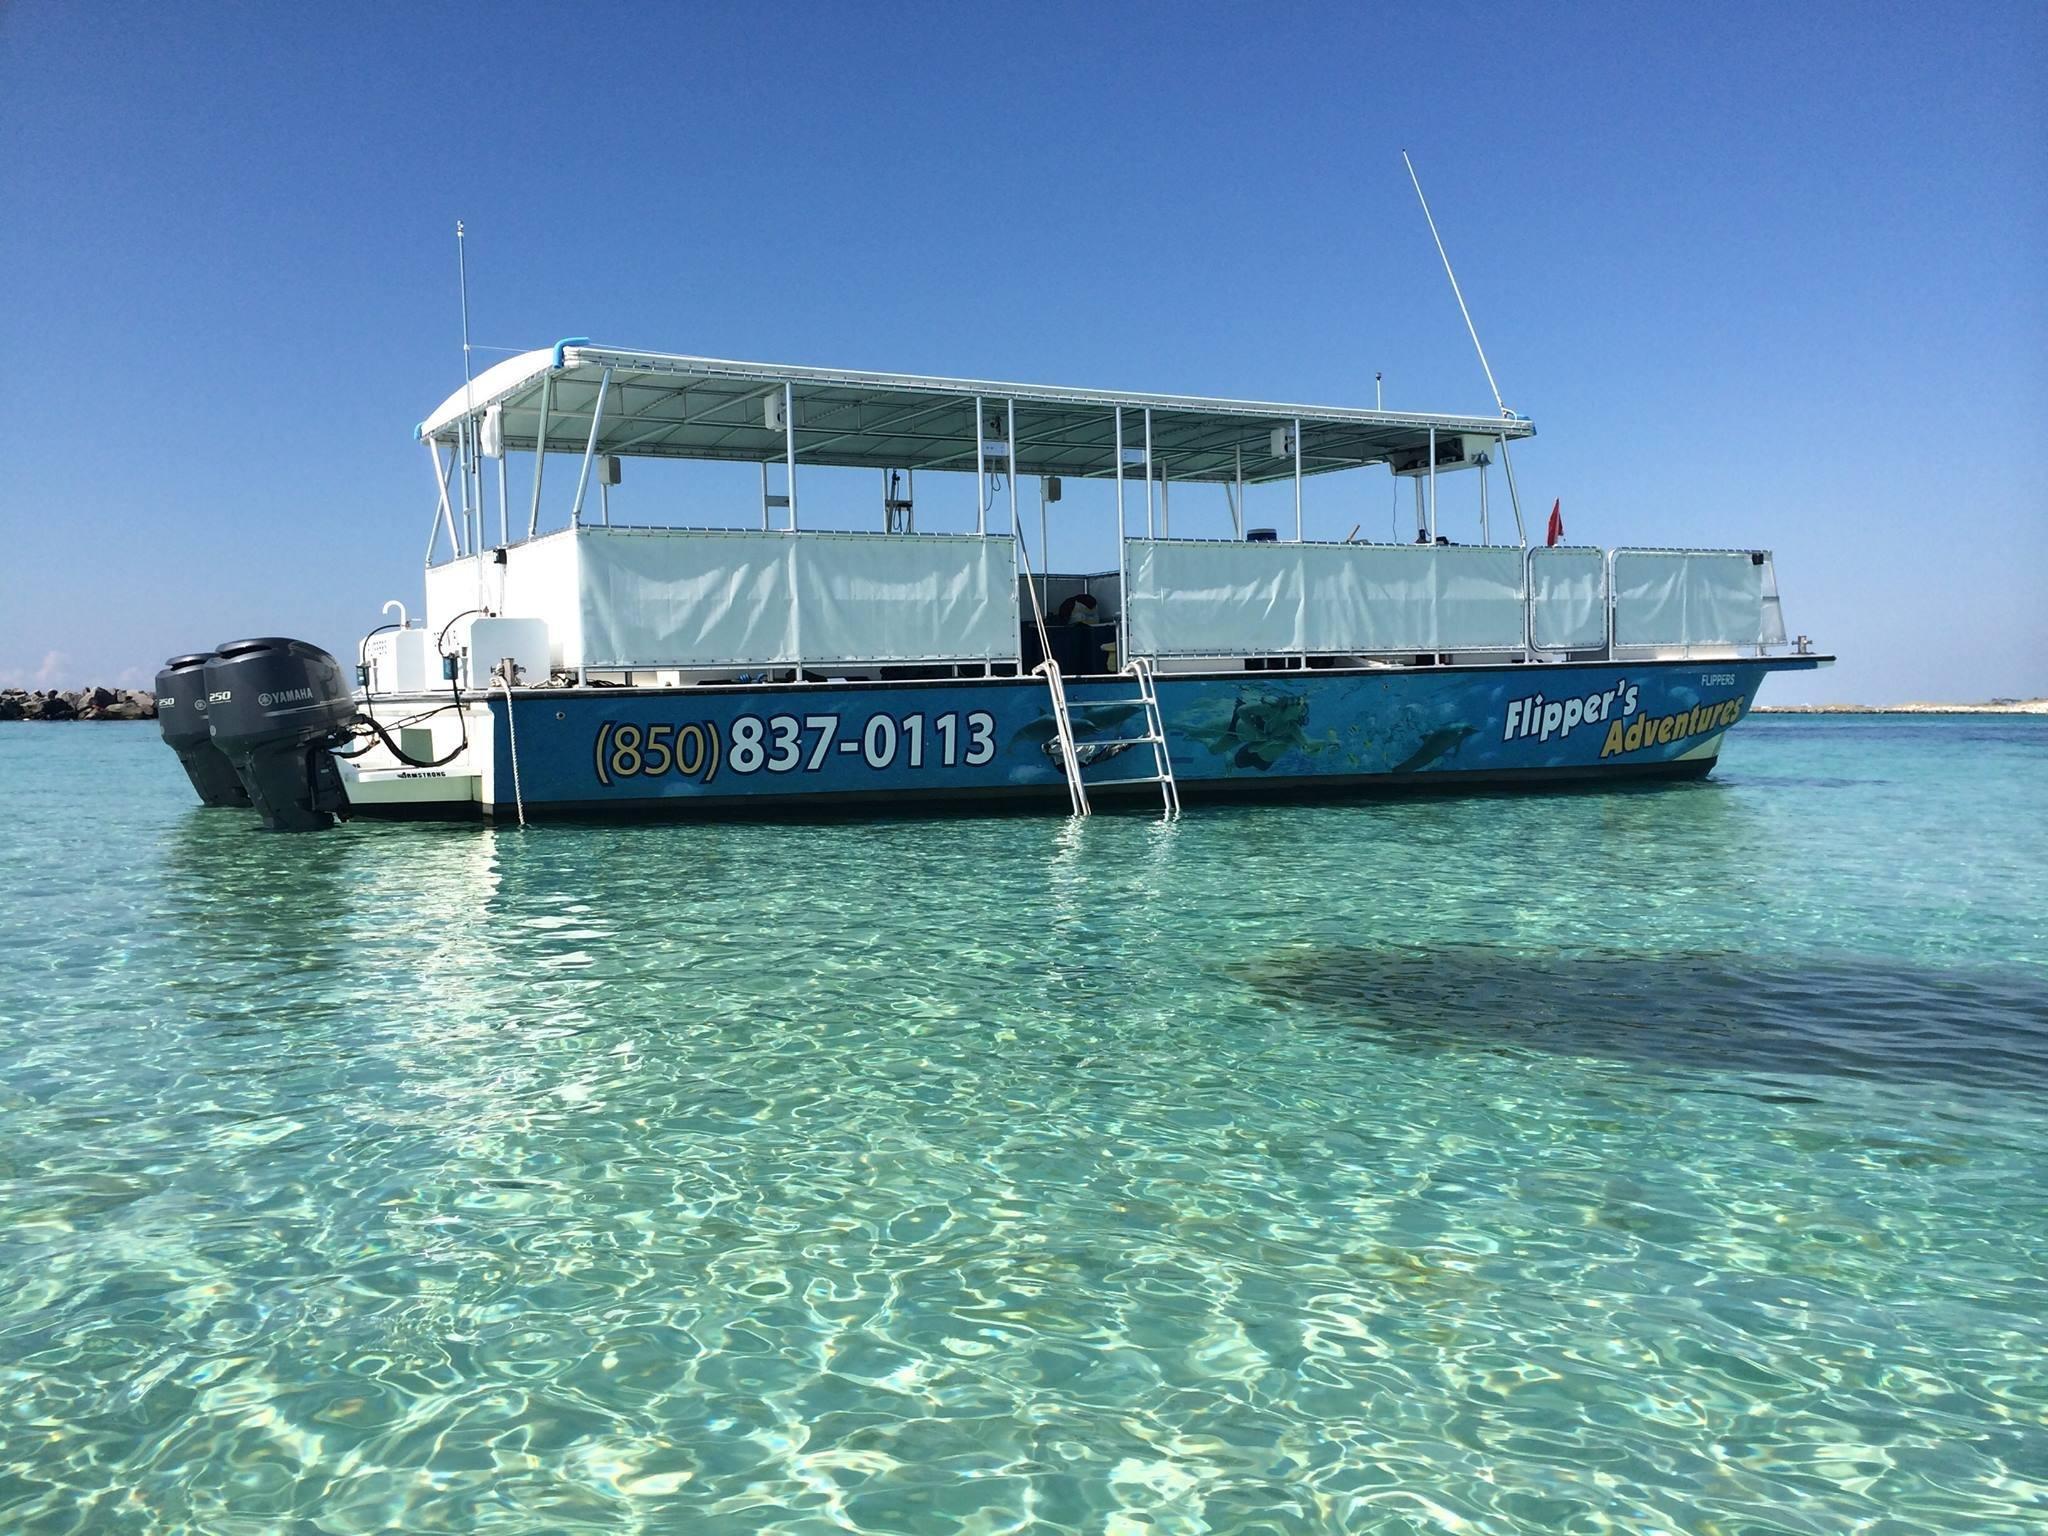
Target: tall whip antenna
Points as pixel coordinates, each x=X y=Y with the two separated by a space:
x=1470 y=329
x=472 y=467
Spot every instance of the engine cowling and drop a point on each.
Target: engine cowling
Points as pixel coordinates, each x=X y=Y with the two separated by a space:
x=275 y=707
x=181 y=717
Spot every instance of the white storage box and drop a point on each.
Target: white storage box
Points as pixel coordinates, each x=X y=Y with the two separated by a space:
x=402 y=661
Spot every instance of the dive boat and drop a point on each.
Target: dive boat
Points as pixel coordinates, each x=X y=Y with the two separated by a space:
x=758 y=661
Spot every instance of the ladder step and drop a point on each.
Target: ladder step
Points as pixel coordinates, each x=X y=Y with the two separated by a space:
x=1141 y=695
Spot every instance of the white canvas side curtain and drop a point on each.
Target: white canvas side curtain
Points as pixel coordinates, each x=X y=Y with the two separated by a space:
x=634 y=598
x=1567 y=598
x=703 y=598
x=1201 y=598
x=1687 y=597
x=1194 y=597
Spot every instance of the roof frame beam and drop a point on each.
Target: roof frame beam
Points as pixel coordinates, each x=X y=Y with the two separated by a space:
x=884 y=427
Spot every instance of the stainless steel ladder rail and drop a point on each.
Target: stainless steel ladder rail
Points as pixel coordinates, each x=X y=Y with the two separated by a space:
x=1155 y=734
x=1063 y=727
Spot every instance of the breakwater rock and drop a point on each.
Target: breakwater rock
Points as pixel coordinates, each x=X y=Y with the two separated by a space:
x=1990 y=707
x=78 y=704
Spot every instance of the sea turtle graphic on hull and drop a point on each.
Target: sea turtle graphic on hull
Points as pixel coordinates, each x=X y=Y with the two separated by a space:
x=1254 y=730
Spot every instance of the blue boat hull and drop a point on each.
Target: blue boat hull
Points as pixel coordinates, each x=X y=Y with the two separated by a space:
x=955 y=743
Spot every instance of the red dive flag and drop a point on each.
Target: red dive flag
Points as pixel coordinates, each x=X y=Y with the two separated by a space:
x=1556 y=523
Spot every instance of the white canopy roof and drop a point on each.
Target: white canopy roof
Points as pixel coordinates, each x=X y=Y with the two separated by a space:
x=665 y=406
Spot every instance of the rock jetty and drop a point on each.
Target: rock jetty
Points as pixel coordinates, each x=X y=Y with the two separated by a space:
x=1989 y=707
x=78 y=704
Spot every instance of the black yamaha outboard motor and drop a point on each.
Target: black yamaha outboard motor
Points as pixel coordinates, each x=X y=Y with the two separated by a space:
x=181 y=716
x=275 y=707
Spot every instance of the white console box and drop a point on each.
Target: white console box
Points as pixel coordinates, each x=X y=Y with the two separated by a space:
x=402 y=661
x=490 y=641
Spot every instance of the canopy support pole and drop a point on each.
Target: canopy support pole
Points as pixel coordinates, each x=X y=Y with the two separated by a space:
x=476 y=500
x=476 y=470
x=1123 y=577
x=540 y=452
x=604 y=387
x=980 y=472
x=1432 y=485
x=1485 y=534
x=764 y=495
x=1165 y=502
x=462 y=455
x=1044 y=532
x=1118 y=413
x=1297 y=479
x=1237 y=506
x=1010 y=462
x=504 y=511
x=1148 y=473
x=789 y=449
x=1507 y=463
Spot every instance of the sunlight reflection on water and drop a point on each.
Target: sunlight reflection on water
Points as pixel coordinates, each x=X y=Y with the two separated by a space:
x=1636 y=1161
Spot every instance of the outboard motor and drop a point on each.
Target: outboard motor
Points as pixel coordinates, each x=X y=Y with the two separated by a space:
x=275 y=707
x=181 y=716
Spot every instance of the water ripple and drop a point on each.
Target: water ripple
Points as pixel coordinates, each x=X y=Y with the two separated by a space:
x=1636 y=1162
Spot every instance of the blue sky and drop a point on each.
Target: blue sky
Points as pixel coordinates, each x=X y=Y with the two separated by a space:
x=1766 y=276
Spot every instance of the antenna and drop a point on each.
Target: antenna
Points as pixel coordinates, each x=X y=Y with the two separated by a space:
x=472 y=467
x=1455 y=290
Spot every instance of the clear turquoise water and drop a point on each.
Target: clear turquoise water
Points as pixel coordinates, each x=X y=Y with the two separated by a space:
x=1656 y=1161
